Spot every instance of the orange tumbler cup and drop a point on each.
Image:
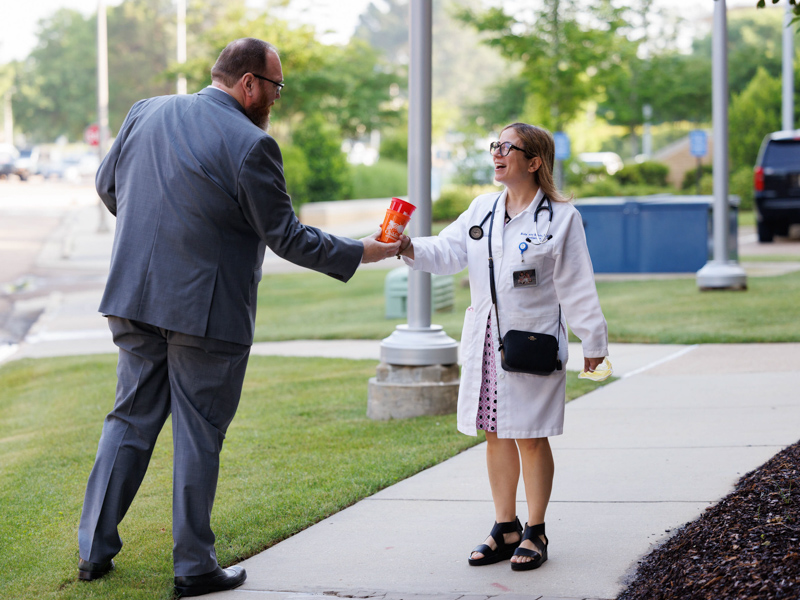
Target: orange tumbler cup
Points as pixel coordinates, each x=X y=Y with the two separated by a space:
x=397 y=216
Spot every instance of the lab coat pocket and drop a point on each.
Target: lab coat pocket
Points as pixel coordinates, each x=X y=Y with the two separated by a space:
x=468 y=336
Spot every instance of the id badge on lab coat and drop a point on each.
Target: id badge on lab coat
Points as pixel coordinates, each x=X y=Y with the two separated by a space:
x=525 y=277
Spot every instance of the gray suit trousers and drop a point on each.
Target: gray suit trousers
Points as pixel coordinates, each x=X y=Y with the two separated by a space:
x=198 y=380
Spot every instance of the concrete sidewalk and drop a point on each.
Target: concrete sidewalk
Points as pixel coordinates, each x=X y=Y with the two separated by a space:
x=639 y=458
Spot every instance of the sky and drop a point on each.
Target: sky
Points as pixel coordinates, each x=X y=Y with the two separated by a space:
x=337 y=17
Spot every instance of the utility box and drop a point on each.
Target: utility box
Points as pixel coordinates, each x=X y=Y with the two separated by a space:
x=653 y=234
x=396 y=290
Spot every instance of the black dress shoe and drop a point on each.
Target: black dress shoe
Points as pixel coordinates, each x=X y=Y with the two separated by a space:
x=217 y=580
x=89 y=571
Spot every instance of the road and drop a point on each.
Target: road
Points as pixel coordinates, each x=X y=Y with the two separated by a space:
x=31 y=213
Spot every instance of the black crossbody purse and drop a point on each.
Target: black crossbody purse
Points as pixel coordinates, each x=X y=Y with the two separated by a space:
x=524 y=351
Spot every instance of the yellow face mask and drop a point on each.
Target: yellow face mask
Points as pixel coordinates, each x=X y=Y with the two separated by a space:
x=601 y=373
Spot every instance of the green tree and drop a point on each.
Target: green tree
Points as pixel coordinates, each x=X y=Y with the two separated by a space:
x=141 y=44
x=57 y=83
x=462 y=66
x=754 y=41
x=386 y=30
x=295 y=169
x=348 y=84
x=328 y=170
x=563 y=50
x=676 y=86
x=754 y=113
x=652 y=72
x=795 y=7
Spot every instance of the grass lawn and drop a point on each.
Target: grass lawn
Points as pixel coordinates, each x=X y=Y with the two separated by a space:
x=312 y=306
x=770 y=258
x=675 y=312
x=746 y=218
x=299 y=449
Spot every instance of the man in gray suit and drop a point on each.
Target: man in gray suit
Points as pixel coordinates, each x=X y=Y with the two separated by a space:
x=198 y=190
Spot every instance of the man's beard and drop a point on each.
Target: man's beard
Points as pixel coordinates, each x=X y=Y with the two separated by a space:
x=259 y=115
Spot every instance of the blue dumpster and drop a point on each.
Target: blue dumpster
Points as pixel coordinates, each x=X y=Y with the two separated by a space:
x=652 y=234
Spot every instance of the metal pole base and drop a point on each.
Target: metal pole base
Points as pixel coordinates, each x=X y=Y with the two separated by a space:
x=721 y=276
x=419 y=346
x=400 y=392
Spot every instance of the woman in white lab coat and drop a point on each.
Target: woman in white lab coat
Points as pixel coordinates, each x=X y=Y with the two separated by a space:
x=534 y=273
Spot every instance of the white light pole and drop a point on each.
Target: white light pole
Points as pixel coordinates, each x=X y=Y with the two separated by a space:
x=788 y=70
x=720 y=273
x=647 y=137
x=419 y=342
x=181 y=42
x=102 y=97
x=418 y=374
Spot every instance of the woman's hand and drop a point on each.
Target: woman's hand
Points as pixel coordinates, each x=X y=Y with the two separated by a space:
x=406 y=247
x=590 y=364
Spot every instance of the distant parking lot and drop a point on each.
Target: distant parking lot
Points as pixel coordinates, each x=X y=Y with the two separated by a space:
x=72 y=164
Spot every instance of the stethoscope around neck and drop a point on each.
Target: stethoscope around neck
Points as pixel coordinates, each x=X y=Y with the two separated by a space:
x=476 y=231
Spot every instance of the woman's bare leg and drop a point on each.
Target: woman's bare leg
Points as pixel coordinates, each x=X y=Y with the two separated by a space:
x=502 y=461
x=537 y=473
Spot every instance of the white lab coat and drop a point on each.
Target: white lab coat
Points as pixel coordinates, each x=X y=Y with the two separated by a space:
x=528 y=406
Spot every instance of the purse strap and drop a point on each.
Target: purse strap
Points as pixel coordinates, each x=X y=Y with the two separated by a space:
x=494 y=291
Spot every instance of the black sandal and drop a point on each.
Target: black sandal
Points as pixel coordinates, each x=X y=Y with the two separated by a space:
x=504 y=551
x=539 y=555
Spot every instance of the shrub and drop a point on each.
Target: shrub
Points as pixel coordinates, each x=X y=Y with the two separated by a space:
x=455 y=199
x=394 y=145
x=578 y=173
x=295 y=170
x=328 y=170
x=384 y=179
x=649 y=172
x=605 y=186
x=690 y=177
x=741 y=184
x=753 y=114
x=707 y=184
x=610 y=188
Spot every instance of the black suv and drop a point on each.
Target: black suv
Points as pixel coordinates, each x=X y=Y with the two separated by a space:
x=777 y=184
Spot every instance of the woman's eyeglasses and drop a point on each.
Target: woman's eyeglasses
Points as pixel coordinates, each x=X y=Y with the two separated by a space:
x=504 y=148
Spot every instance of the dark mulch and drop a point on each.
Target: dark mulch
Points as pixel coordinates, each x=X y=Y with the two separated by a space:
x=745 y=547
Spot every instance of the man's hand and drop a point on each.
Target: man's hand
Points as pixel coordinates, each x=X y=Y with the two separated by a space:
x=375 y=251
x=590 y=364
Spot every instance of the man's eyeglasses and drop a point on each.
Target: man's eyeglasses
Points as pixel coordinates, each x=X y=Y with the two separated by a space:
x=280 y=85
x=504 y=148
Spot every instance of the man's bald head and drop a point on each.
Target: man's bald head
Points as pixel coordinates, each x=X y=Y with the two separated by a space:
x=245 y=55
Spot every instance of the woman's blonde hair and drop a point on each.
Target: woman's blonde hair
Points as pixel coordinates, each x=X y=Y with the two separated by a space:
x=537 y=141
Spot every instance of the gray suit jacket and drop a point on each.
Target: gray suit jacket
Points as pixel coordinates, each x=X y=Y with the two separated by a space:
x=198 y=191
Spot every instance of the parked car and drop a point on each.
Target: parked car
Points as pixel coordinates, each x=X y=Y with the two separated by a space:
x=8 y=155
x=776 y=179
x=610 y=161
x=82 y=167
x=28 y=163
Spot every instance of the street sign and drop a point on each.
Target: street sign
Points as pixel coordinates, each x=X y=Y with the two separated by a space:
x=91 y=135
x=562 y=145
x=698 y=143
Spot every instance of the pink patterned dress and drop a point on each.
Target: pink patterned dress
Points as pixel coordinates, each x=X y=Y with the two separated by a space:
x=487 y=405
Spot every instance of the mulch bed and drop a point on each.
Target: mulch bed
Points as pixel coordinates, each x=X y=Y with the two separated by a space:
x=745 y=547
